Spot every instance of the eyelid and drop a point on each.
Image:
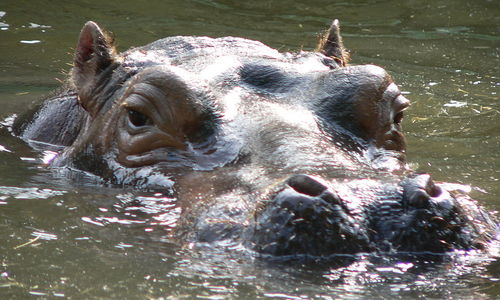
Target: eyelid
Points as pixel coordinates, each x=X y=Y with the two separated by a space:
x=401 y=103
x=137 y=103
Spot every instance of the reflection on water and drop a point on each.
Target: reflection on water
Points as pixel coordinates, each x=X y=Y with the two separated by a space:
x=63 y=240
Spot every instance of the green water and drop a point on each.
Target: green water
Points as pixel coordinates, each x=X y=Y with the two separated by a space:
x=61 y=239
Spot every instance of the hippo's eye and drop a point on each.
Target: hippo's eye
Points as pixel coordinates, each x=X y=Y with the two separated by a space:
x=399 y=105
x=138 y=119
x=398 y=117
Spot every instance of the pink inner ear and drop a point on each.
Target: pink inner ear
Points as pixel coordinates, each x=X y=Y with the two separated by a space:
x=85 y=46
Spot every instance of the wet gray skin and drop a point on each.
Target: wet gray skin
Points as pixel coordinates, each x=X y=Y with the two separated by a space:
x=285 y=153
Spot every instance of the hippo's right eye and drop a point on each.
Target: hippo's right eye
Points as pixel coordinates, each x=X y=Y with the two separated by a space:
x=398 y=118
x=138 y=119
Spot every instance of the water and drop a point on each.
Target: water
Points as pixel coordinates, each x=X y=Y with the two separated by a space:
x=60 y=239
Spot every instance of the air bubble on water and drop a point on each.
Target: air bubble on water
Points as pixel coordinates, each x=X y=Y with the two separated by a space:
x=30 y=41
x=34 y=25
x=3 y=149
x=48 y=156
x=122 y=245
x=89 y=220
x=454 y=103
x=3 y=26
x=44 y=235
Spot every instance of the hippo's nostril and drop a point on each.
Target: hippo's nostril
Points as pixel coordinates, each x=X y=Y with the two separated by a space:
x=307 y=185
x=419 y=189
x=432 y=189
x=331 y=197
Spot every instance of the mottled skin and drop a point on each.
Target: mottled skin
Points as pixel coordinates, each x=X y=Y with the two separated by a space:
x=285 y=153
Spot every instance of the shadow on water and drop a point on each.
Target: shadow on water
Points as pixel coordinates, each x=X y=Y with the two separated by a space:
x=67 y=239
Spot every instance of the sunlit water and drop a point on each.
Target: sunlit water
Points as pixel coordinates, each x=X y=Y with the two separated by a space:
x=66 y=239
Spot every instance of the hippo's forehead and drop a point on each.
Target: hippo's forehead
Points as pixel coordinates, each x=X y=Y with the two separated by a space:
x=179 y=48
x=209 y=57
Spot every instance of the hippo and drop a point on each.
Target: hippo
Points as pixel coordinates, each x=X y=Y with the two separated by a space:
x=284 y=154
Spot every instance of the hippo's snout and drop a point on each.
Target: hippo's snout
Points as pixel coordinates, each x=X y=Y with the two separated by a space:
x=307 y=216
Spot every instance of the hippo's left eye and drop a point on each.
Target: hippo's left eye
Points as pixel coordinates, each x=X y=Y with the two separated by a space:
x=138 y=119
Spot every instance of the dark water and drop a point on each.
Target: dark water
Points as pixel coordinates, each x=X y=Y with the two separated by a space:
x=61 y=239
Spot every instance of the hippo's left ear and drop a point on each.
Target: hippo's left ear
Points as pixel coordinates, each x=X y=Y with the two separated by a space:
x=94 y=53
x=331 y=45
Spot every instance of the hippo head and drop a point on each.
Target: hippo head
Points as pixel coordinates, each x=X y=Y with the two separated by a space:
x=297 y=153
x=184 y=104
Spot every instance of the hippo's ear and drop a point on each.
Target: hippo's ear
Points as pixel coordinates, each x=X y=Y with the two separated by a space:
x=331 y=45
x=94 y=53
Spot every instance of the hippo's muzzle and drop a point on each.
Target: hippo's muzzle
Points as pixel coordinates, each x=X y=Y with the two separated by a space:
x=308 y=217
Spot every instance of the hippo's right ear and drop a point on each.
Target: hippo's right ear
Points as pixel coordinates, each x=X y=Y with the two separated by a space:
x=94 y=53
